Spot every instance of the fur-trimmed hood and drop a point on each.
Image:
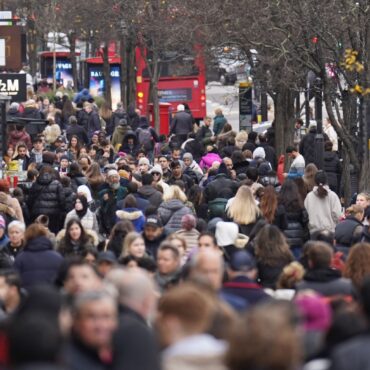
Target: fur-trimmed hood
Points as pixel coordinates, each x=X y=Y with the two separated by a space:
x=130 y=214
x=92 y=234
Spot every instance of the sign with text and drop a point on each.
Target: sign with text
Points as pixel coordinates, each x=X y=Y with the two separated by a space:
x=245 y=106
x=174 y=95
x=13 y=47
x=14 y=85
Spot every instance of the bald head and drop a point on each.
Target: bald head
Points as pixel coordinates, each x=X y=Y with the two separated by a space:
x=135 y=289
x=208 y=264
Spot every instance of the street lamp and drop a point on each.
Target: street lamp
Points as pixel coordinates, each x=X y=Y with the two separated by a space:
x=319 y=138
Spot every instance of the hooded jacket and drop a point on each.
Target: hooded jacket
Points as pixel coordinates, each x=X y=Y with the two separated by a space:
x=119 y=133
x=332 y=168
x=38 y=263
x=171 y=213
x=208 y=159
x=46 y=196
x=132 y=150
x=16 y=137
x=152 y=195
x=134 y=215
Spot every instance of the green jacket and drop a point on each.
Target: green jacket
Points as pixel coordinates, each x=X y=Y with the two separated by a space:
x=218 y=124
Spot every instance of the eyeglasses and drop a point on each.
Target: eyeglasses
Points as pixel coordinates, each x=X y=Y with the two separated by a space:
x=156 y=174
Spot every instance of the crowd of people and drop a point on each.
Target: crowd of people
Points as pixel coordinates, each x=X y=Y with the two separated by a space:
x=126 y=249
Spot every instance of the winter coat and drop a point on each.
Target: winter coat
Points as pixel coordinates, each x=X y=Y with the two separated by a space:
x=219 y=122
x=323 y=213
x=38 y=263
x=92 y=123
x=78 y=131
x=223 y=139
x=182 y=124
x=352 y=354
x=16 y=137
x=78 y=180
x=197 y=352
x=269 y=275
x=125 y=148
x=191 y=237
x=204 y=135
x=307 y=146
x=348 y=232
x=171 y=213
x=216 y=208
x=30 y=112
x=46 y=196
x=76 y=249
x=82 y=96
x=70 y=198
x=296 y=230
x=134 y=215
x=270 y=155
x=132 y=339
x=151 y=246
x=332 y=168
x=208 y=159
x=88 y=221
x=151 y=194
x=194 y=147
x=217 y=185
x=327 y=282
x=119 y=133
x=246 y=289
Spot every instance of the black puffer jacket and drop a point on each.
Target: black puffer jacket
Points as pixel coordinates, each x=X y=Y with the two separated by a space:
x=46 y=196
x=296 y=231
x=345 y=235
x=216 y=186
x=333 y=169
x=307 y=146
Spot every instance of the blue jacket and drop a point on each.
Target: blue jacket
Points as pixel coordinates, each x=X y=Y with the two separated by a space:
x=38 y=263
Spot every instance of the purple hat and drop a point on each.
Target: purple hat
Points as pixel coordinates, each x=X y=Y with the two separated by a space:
x=316 y=312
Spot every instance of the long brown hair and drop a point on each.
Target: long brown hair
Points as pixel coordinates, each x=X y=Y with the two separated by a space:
x=271 y=247
x=94 y=176
x=358 y=263
x=269 y=203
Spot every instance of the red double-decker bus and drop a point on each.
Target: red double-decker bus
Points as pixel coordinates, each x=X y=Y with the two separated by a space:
x=182 y=80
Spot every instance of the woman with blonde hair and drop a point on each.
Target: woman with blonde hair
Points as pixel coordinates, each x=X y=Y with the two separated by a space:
x=133 y=245
x=173 y=208
x=243 y=210
x=52 y=131
x=219 y=121
x=240 y=139
x=363 y=200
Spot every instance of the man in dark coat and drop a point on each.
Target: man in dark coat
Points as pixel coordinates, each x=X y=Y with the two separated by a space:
x=77 y=130
x=181 y=125
x=218 y=184
x=332 y=167
x=47 y=197
x=147 y=191
x=269 y=151
x=242 y=272
x=94 y=322
x=89 y=120
x=320 y=277
x=153 y=234
x=134 y=345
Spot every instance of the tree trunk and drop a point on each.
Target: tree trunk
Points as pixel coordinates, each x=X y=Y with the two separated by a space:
x=32 y=46
x=131 y=57
x=365 y=161
x=284 y=118
x=72 y=43
x=107 y=78
x=123 y=79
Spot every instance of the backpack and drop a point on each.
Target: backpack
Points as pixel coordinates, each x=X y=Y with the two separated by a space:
x=145 y=138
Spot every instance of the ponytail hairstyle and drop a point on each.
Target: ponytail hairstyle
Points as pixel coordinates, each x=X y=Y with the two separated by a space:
x=321 y=180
